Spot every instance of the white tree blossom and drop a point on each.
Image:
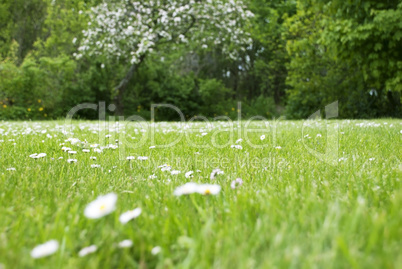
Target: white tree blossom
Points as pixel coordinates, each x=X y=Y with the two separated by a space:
x=128 y=30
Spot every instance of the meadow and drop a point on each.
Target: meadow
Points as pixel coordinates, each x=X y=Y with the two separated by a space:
x=274 y=202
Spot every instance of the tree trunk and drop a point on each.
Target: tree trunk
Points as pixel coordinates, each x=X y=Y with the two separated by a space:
x=121 y=88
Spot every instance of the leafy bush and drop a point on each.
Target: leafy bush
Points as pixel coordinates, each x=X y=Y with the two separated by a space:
x=260 y=106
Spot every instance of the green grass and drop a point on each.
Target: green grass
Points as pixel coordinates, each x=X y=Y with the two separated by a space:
x=292 y=211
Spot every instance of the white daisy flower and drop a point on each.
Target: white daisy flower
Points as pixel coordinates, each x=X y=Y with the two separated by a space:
x=72 y=152
x=95 y=166
x=86 y=150
x=236 y=146
x=262 y=137
x=92 y=158
x=152 y=176
x=152 y=147
x=74 y=140
x=111 y=146
x=102 y=206
x=239 y=141
x=207 y=189
x=175 y=172
x=94 y=145
x=37 y=156
x=65 y=149
x=130 y=158
x=189 y=174
x=166 y=168
x=204 y=134
x=156 y=250
x=88 y=250
x=129 y=215
x=278 y=147
x=97 y=150
x=71 y=160
x=236 y=183
x=185 y=189
x=45 y=249
x=125 y=243
x=60 y=158
x=142 y=158
x=215 y=172
x=11 y=169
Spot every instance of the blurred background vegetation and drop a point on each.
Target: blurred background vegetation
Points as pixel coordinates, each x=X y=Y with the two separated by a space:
x=305 y=55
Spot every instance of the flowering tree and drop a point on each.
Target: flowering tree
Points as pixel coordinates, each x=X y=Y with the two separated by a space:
x=128 y=31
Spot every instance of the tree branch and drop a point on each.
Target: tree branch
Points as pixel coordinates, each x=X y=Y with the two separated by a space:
x=123 y=83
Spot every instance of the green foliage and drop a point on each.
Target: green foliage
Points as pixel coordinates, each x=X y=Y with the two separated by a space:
x=269 y=57
x=48 y=87
x=27 y=88
x=260 y=106
x=5 y=28
x=213 y=91
x=332 y=59
x=22 y=90
x=22 y=21
x=193 y=95
x=50 y=74
x=155 y=83
x=304 y=55
x=372 y=35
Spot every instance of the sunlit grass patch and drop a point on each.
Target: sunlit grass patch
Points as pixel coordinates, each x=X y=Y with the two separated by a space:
x=200 y=202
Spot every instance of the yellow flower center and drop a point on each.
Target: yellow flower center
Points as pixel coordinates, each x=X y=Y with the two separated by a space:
x=102 y=207
x=207 y=191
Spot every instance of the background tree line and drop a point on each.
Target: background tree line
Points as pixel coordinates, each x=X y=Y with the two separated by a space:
x=304 y=55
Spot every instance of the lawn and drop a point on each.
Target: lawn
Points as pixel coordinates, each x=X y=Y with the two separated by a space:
x=294 y=207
